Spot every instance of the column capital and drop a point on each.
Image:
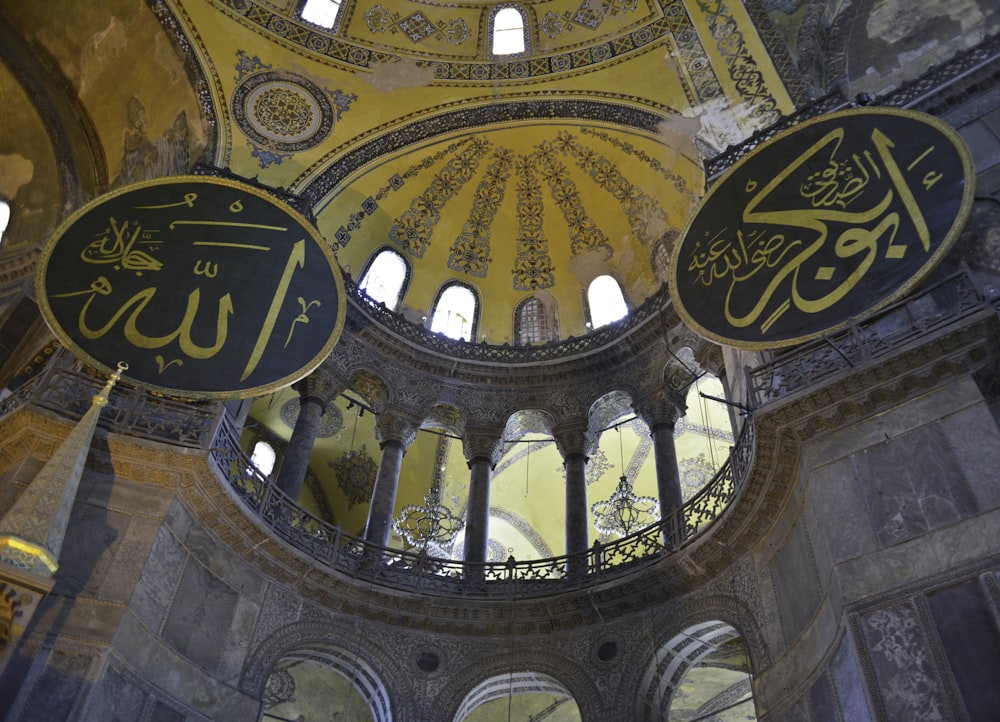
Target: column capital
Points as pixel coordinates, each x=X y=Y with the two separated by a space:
x=574 y=437
x=662 y=407
x=483 y=443
x=319 y=386
x=395 y=425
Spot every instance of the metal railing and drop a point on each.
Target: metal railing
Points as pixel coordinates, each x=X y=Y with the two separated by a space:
x=66 y=388
x=894 y=327
x=419 y=572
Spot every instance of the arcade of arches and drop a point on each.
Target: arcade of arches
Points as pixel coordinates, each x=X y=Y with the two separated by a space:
x=807 y=534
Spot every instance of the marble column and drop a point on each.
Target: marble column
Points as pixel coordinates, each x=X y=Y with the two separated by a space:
x=661 y=411
x=483 y=448
x=575 y=442
x=395 y=431
x=316 y=392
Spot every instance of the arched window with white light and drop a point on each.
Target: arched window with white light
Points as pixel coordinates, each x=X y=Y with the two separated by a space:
x=455 y=312
x=321 y=12
x=508 y=31
x=385 y=278
x=605 y=301
x=263 y=458
x=4 y=220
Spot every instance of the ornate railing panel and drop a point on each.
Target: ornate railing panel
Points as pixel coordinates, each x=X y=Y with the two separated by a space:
x=892 y=328
x=67 y=388
x=419 y=572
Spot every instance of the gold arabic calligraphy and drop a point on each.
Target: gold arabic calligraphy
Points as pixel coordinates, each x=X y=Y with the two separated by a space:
x=116 y=247
x=833 y=193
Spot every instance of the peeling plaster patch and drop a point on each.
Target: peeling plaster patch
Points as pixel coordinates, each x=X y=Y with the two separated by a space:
x=102 y=52
x=893 y=20
x=166 y=58
x=723 y=125
x=15 y=171
x=402 y=73
x=677 y=135
x=587 y=266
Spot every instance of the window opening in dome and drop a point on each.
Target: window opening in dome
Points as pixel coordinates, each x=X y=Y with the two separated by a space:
x=532 y=322
x=508 y=32
x=263 y=457
x=454 y=313
x=383 y=281
x=4 y=219
x=321 y=12
x=606 y=302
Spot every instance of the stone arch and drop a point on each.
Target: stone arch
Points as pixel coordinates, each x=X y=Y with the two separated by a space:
x=541 y=664
x=445 y=418
x=528 y=421
x=512 y=683
x=372 y=671
x=686 y=648
x=371 y=388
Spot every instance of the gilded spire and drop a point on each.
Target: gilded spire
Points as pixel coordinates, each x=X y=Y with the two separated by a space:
x=33 y=530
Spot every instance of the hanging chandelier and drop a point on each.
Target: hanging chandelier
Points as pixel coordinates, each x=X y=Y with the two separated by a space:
x=429 y=523
x=624 y=512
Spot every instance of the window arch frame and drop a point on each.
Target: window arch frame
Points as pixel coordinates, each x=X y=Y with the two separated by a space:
x=476 y=311
x=333 y=27
x=5 y=230
x=551 y=319
x=587 y=305
x=491 y=31
x=407 y=275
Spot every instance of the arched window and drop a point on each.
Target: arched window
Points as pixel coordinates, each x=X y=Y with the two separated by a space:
x=455 y=312
x=321 y=12
x=508 y=31
x=263 y=457
x=4 y=219
x=606 y=302
x=384 y=279
x=533 y=322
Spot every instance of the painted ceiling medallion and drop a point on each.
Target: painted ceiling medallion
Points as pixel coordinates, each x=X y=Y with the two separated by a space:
x=282 y=113
x=329 y=423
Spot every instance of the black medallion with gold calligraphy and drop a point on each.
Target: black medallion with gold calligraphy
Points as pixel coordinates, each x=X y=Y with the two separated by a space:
x=206 y=287
x=822 y=225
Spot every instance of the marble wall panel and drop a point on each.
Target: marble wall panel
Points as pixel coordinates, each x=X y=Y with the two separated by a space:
x=223 y=563
x=848 y=685
x=968 y=633
x=93 y=536
x=159 y=577
x=975 y=441
x=129 y=560
x=822 y=704
x=200 y=616
x=836 y=511
x=53 y=694
x=796 y=582
x=907 y=682
x=912 y=484
x=116 y=698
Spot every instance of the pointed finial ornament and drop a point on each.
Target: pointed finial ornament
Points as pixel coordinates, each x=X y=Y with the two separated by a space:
x=33 y=530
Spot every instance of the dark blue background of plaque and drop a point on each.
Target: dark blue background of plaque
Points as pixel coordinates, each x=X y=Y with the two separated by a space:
x=944 y=207
x=251 y=277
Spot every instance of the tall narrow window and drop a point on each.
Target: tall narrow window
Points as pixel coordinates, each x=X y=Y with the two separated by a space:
x=533 y=322
x=455 y=313
x=606 y=302
x=4 y=219
x=384 y=279
x=508 y=31
x=321 y=12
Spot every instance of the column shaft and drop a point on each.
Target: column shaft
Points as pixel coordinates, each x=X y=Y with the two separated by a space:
x=295 y=464
x=477 y=519
x=384 y=494
x=577 y=512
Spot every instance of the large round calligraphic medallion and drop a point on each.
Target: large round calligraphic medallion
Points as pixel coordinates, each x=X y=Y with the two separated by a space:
x=207 y=287
x=822 y=225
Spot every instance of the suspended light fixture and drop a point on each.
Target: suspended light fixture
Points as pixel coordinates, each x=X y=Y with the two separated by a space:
x=624 y=512
x=429 y=523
